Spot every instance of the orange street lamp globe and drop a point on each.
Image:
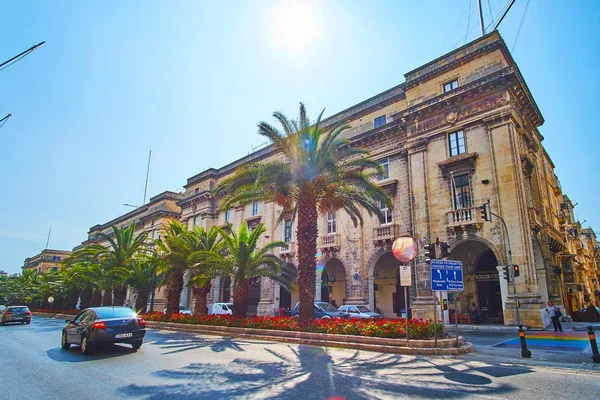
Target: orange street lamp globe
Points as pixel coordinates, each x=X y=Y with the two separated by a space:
x=405 y=249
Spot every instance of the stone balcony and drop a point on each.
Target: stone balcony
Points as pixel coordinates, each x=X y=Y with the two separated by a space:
x=333 y=241
x=382 y=234
x=535 y=220
x=291 y=250
x=464 y=217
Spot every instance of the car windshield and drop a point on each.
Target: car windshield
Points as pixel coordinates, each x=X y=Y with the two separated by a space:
x=115 y=312
x=363 y=309
x=183 y=308
x=327 y=307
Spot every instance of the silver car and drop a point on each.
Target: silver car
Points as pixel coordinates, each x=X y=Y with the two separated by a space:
x=20 y=314
x=358 y=312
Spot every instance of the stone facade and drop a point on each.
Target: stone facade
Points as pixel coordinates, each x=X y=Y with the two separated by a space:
x=151 y=217
x=45 y=262
x=461 y=130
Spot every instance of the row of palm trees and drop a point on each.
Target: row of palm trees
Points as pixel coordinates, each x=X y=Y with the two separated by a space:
x=316 y=172
x=101 y=274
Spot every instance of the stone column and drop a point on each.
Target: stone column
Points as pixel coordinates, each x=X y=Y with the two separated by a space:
x=265 y=304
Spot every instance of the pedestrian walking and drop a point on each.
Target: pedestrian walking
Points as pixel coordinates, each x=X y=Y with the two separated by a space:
x=555 y=315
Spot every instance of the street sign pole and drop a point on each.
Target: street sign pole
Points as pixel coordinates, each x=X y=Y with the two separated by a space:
x=406 y=281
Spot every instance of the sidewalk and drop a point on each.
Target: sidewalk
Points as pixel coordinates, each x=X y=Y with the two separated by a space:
x=567 y=326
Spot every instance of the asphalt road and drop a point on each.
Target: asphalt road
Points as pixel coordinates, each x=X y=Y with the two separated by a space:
x=174 y=365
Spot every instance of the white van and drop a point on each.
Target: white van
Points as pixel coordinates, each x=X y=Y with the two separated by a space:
x=222 y=308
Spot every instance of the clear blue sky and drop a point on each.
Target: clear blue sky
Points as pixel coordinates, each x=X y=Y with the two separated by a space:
x=190 y=80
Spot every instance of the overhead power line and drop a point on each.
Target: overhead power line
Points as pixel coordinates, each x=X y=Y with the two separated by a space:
x=520 y=26
x=20 y=56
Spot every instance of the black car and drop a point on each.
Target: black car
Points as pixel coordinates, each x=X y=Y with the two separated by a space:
x=20 y=314
x=104 y=325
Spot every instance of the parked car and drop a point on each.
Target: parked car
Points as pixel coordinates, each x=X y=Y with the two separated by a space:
x=2 y=308
x=322 y=310
x=104 y=325
x=19 y=314
x=222 y=308
x=358 y=312
x=182 y=310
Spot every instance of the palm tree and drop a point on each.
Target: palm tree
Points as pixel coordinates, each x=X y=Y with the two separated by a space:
x=318 y=172
x=174 y=249
x=141 y=279
x=243 y=260
x=202 y=273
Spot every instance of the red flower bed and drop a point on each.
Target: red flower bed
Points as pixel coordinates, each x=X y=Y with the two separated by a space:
x=385 y=328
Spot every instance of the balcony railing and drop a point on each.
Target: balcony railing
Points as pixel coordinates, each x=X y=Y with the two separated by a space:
x=331 y=241
x=385 y=232
x=464 y=217
x=290 y=250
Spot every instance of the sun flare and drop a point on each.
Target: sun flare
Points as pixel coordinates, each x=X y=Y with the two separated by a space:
x=295 y=24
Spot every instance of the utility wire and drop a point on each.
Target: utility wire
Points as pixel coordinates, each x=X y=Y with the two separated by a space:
x=493 y=8
x=520 y=26
x=3 y=120
x=490 y=8
x=19 y=57
x=453 y=29
x=468 y=22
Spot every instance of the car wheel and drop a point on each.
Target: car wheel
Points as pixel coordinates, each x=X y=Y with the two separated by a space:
x=63 y=341
x=85 y=345
x=325 y=317
x=28 y=322
x=2 y=323
x=136 y=345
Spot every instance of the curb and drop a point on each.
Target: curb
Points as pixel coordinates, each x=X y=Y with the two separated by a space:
x=383 y=345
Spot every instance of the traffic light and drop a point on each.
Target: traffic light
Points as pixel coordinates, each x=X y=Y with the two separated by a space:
x=445 y=252
x=444 y=305
x=486 y=211
x=483 y=211
x=506 y=272
x=429 y=252
x=516 y=270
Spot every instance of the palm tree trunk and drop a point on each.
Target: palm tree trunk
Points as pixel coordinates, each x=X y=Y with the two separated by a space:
x=240 y=298
x=174 y=292
x=141 y=301
x=96 y=299
x=307 y=249
x=119 y=297
x=86 y=299
x=107 y=297
x=71 y=300
x=200 y=293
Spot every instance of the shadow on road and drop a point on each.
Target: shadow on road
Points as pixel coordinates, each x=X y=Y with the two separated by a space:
x=100 y=353
x=310 y=372
x=176 y=342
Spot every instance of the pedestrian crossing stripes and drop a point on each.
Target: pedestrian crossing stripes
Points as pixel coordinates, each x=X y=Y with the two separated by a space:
x=551 y=341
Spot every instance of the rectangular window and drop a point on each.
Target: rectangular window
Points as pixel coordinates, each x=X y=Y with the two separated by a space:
x=379 y=121
x=387 y=213
x=331 y=226
x=254 y=208
x=195 y=220
x=462 y=192
x=385 y=164
x=228 y=216
x=450 y=85
x=196 y=191
x=287 y=230
x=456 y=140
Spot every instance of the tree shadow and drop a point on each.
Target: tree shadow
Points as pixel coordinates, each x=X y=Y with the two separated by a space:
x=176 y=342
x=311 y=372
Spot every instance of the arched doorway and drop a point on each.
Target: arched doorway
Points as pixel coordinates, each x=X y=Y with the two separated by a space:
x=225 y=294
x=254 y=295
x=481 y=282
x=333 y=283
x=288 y=299
x=388 y=295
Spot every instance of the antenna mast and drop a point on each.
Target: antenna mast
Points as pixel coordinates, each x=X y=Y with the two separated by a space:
x=480 y=17
x=48 y=240
x=147 y=171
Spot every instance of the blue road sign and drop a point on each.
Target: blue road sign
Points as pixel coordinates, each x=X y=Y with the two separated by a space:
x=447 y=276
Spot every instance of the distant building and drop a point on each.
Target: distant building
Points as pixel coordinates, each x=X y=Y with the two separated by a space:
x=159 y=211
x=47 y=261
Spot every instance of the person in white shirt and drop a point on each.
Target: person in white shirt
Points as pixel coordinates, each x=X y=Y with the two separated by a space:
x=552 y=310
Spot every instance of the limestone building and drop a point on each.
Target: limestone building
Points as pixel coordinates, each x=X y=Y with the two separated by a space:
x=459 y=131
x=45 y=262
x=159 y=211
